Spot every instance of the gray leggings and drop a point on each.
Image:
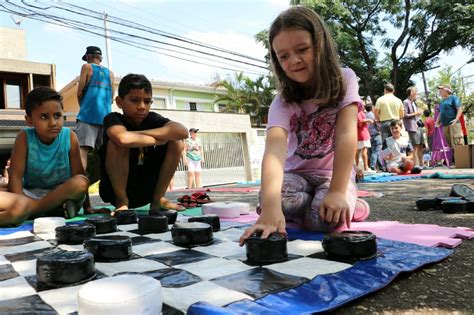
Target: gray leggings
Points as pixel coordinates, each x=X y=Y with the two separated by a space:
x=301 y=196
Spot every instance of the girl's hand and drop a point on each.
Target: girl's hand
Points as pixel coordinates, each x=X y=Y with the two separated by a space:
x=334 y=210
x=267 y=224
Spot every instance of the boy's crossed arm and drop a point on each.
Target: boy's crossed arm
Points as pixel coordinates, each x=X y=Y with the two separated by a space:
x=171 y=131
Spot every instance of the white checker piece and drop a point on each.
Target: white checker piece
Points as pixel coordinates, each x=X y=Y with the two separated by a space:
x=24 y=248
x=15 y=288
x=134 y=265
x=224 y=249
x=308 y=267
x=63 y=300
x=154 y=248
x=214 y=267
x=182 y=298
x=304 y=248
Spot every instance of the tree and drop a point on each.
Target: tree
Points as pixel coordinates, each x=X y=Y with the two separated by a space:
x=245 y=95
x=411 y=34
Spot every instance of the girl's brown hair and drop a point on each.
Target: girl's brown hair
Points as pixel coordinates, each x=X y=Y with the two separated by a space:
x=327 y=84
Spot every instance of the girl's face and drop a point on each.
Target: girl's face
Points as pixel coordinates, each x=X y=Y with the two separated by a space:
x=47 y=119
x=294 y=49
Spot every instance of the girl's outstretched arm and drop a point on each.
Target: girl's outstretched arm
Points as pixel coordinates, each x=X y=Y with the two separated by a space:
x=334 y=209
x=271 y=219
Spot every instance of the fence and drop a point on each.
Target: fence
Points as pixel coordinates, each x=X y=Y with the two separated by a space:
x=223 y=160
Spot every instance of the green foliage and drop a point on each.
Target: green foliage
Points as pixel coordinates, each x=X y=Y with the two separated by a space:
x=245 y=95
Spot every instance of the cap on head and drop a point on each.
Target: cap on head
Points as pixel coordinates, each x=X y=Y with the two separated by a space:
x=446 y=87
x=92 y=50
x=193 y=130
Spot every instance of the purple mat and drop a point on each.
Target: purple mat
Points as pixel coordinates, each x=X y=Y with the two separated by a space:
x=422 y=234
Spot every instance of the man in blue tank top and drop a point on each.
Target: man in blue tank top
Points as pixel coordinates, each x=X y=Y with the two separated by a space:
x=95 y=96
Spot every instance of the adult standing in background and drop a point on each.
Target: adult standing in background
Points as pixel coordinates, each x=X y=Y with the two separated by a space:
x=387 y=109
x=375 y=139
x=450 y=111
x=95 y=95
x=412 y=121
x=194 y=158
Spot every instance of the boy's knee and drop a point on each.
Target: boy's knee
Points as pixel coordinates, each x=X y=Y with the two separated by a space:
x=81 y=182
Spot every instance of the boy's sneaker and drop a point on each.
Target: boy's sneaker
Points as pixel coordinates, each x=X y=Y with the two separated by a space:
x=369 y=172
x=71 y=209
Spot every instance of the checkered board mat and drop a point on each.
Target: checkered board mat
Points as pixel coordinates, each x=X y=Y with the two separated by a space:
x=216 y=278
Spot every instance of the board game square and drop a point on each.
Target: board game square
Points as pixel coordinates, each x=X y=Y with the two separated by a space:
x=258 y=282
x=183 y=256
x=222 y=249
x=308 y=267
x=158 y=247
x=33 y=282
x=71 y=248
x=128 y=227
x=19 y=234
x=243 y=258
x=138 y=240
x=168 y=310
x=165 y=236
x=25 y=267
x=32 y=304
x=182 y=298
x=63 y=300
x=135 y=265
x=214 y=267
x=18 y=241
x=171 y=277
x=304 y=248
x=11 y=250
x=230 y=235
x=34 y=254
x=15 y=288
x=7 y=272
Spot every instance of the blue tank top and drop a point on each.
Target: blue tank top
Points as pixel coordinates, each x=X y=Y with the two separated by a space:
x=96 y=102
x=47 y=165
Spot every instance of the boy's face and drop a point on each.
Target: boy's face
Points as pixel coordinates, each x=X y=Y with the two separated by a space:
x=47 y=119
x=135 y=105
x=396 y=131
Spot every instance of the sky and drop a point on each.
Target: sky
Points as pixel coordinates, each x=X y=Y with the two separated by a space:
x=226 y=24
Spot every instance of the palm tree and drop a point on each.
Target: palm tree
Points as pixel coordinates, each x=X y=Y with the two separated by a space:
x=245 y=95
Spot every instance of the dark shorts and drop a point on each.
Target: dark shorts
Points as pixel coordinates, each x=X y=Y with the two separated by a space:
x=142 y=179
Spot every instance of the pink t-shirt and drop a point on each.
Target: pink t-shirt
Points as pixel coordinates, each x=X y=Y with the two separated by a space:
x=311 y=129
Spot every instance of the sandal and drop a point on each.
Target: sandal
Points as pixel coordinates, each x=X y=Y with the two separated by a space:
x=187 y=201
x=71 y=208
x=201 y=198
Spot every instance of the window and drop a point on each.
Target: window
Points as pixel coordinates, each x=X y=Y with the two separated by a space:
x=158 y=103
x=192 y=106
x=13 y=95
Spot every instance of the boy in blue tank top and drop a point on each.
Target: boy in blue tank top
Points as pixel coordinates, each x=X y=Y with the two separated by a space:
x=46 y=173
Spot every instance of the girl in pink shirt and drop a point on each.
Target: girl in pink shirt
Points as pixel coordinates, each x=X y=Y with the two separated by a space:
x=307 y=167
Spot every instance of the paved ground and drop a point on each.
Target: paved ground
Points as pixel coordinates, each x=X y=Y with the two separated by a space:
x=443 y=288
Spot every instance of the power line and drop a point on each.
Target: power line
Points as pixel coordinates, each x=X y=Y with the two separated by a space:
x=73 y=24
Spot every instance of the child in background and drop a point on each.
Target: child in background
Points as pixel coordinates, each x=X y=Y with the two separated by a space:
x=363 y=141
x=398 y=151
x=141 y=150
x=307 y=175
x=429 y=127
x=45 y=164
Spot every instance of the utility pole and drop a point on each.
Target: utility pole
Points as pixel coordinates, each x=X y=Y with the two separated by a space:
x=107 y=44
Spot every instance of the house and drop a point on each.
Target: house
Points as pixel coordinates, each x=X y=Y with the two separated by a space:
x=18 y=77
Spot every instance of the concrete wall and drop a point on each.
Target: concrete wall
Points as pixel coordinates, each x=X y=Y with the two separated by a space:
x=8 y=50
